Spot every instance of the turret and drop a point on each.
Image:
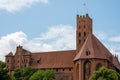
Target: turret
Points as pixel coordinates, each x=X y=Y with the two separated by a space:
x=10 y=61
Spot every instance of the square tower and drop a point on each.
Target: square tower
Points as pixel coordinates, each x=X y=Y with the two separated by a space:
x=84 y=27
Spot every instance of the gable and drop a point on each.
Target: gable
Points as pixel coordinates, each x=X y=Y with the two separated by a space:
x=93 y=48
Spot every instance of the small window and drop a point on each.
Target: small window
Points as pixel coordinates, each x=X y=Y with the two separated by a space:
x=84 y=40
x=70 y=69
x=79 y=34
x=79 y=41
x=98 y=66
x=84 y=26
x=87 y=53
x=25 y=65
x=8 y=61
x=84 y=34
x=38 y=61
x=56 y=70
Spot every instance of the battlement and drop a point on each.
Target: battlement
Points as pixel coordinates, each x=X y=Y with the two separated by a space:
x=19 y=48
x=83 y=17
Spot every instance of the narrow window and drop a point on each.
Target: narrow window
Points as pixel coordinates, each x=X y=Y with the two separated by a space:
x=8 y=61
x=84 y=26
x=56 y=70
x=84 y=34
x=79 y=34
x=84 y=40
x=39 y=60
x=87 y=53
x=87 y=70
x=79 y=41
x=98 y=66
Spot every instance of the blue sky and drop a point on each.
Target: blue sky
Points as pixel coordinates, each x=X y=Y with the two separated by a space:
x=43 y=23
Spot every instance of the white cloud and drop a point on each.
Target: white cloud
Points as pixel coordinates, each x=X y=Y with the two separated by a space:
x=111 y=42
x=17 y=5
x=115 y=39
x=59 y=37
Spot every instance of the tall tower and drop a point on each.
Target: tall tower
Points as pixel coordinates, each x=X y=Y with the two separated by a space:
x=84 y=27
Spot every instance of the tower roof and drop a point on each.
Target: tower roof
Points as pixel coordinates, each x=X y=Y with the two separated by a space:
x=93 y=48
x=10 y=54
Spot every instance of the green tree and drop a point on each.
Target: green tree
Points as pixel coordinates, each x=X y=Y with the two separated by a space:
x=4 y=71
x=23 y=74
x=17 y=74
x=105 y=74
x=43 y=75
x=49 y=75
x=27 y=72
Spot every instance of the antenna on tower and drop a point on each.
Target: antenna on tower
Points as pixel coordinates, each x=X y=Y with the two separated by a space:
x=85 y=7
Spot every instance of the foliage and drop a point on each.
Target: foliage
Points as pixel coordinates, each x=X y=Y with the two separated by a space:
x=43 y=75
x=27 y=72
x=4 y=71
x=23 y=74
x=17 y=74
x=105 y=74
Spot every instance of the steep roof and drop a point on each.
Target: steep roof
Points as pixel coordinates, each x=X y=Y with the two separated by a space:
x=116 y=62
x=93 y=48
x=9 y=54
x=56 y=59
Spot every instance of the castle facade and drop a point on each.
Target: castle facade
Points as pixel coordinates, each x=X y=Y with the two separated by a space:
x=79 y=64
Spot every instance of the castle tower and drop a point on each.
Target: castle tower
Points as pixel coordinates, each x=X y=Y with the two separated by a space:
x=10 y=61
x=19 y=57
x=84 y=27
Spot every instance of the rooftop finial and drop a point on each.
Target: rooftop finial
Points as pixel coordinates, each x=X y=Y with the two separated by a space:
x=85 y=8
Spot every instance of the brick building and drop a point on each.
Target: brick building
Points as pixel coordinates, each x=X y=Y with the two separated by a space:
x=79 y=64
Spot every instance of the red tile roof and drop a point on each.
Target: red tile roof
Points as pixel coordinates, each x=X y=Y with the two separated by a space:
x=93 y=48
x=56 y=59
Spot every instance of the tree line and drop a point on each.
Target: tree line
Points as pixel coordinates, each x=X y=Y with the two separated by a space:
x=27 y=73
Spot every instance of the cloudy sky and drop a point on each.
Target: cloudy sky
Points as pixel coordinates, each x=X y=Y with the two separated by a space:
x=45 y=25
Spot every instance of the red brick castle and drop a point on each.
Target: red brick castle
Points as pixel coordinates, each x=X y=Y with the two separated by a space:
x=79 y=64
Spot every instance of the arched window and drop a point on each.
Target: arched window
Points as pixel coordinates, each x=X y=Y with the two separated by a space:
x=77 y=72
x=87 y=70
x=98 y=66
x=87 y=53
